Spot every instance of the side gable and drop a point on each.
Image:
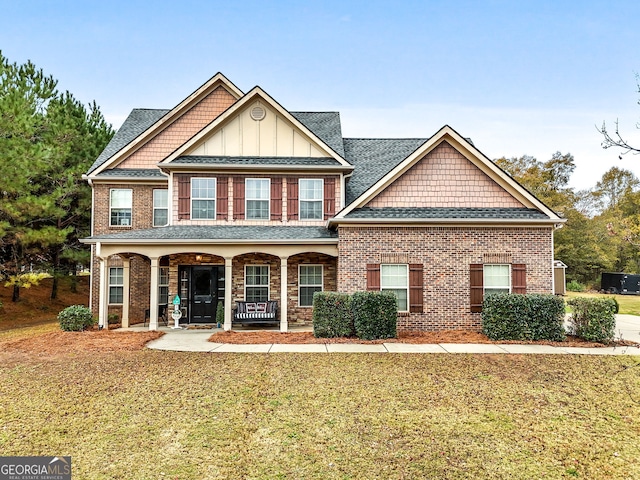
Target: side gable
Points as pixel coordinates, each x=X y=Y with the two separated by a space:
x=444 y=178
x=187 y=125
x=149 y=138
x=443 y=174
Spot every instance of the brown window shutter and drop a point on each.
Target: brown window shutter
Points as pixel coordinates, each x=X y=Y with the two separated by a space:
x=475 y=281
x=276 y=198
x=373 y=276
x=184 y=196
x=416 y=282
x=222 y=197
x=238 y=198
x=518 y=278
x=329 y=197
x=292 y=198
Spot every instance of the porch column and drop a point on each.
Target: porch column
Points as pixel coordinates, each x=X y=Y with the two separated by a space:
x=103 y=295
x=284 y=325
x=228 y=283
x=126 y=294
x=153 y=307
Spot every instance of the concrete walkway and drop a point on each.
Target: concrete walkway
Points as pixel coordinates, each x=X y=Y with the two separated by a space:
x=627 y=328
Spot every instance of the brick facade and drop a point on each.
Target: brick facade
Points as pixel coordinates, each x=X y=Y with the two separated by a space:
x=444 y=178
x=141 y=210
x=446 y=254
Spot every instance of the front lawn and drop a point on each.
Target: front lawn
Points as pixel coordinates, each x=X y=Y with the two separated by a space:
x=629 y=304
x=151 y=414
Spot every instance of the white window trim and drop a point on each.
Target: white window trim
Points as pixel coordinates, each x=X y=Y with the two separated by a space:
x=153 y=199
x=321 y=200
x=111 y=207
x=407 y=288
x=247 y=199
x=300 y=285
x=215 y=198
x=268 y=280
x=484 y=283
x=121 y=285
x=160 y=284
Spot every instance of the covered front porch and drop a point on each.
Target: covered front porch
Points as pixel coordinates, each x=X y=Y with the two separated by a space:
x=207 y=272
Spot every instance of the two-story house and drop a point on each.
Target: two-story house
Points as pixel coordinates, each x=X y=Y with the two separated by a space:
x=230 y=197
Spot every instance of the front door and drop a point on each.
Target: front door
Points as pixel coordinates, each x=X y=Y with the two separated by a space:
x=203 y=294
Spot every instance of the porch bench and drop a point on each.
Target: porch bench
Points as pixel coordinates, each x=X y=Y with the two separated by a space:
x=256 y=312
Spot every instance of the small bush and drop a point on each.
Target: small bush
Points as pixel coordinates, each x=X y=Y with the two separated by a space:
x=75 y=318
x=113 y=318
x=220 y=313
x=332 y=315
x=374 y=314
x=574 y=286
x=593 y=318
x=523 y=317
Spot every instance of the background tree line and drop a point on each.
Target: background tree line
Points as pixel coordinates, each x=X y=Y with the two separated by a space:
x=602 y=232
x=48 y=139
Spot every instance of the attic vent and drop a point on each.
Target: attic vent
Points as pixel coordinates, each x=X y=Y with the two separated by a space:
x=258 y=113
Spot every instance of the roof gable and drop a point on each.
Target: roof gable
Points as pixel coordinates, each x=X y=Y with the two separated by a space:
x=144 y=125
x=464 y=151
x=275 y=132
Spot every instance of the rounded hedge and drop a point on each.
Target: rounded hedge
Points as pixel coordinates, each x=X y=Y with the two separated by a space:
x=75 y=318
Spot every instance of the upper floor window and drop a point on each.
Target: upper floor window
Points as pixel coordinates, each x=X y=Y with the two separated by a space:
x=496 y=278
x=120 y=203
x=203 y=198
x=160 y=208
x=395 y=279
x=257 y=194
x=311 y=198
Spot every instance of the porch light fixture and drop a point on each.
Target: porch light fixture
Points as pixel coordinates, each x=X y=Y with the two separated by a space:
x=198 y=258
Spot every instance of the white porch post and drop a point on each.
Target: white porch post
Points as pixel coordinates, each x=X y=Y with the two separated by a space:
x=153 y=307
x=228 y=283
x=103 y=295
x=284 y=324
x=126 y=294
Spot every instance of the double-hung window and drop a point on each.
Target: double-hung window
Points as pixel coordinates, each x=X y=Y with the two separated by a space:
x=116 y=285
x=395 y=278
x=257 y=194
x=256 y=283
x=120 y=202
x=160 y=207
x=496 y=278
x=203 y=198
x=310 y=194
x=309 y=282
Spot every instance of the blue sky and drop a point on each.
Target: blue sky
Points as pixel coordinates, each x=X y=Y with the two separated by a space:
x=518 y=77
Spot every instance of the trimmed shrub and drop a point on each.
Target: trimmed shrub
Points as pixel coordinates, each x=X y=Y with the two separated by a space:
x=220 y=314
x=523 y=317
x=574 y=286
x=593 y=318
x=374 y=314
x=332 y=315
x=113 y=318
x=75 y=318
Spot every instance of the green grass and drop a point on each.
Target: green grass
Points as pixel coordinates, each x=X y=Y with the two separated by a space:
x=150 y=415
x=629 y=304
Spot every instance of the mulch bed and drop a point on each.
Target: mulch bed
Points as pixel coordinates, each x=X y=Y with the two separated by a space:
x=453 y=336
